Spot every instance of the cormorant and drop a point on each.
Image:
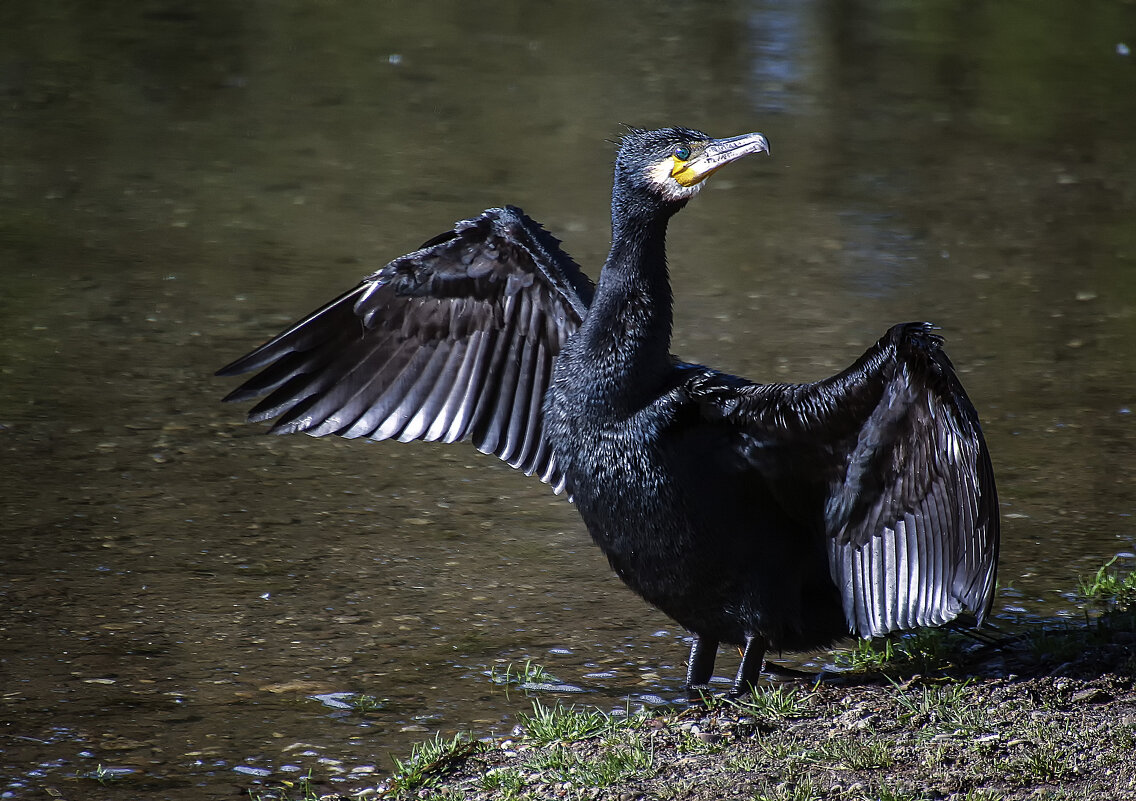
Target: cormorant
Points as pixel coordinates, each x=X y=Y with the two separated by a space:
x=769 y=516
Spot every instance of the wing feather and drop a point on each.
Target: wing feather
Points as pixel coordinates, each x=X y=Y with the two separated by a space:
x=453 y=341
x=894 y=447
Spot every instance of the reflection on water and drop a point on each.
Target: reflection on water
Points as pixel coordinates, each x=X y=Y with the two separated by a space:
x=183 y=596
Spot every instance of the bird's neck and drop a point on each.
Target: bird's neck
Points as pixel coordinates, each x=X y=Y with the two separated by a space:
x=626 y=336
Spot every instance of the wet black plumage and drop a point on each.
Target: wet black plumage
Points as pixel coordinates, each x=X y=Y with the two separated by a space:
x=771 y=516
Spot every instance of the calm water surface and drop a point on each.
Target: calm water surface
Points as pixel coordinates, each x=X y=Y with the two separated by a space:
x=179 y=181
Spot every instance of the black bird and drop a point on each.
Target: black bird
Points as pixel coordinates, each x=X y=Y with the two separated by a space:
x=770 y=516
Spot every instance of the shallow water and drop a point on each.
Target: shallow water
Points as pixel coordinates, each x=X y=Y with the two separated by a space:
x=179 y=182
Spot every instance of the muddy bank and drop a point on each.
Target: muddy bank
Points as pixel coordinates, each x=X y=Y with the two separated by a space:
x=1047 y=714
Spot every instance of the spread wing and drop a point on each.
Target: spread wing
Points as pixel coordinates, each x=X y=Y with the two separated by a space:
x=453 y=341
x=892 y=453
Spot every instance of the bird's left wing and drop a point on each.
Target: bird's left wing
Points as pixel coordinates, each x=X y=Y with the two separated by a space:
x=455 y=340
x=887 y=459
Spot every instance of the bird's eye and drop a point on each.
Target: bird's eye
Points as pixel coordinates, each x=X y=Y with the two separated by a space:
x=682 y=152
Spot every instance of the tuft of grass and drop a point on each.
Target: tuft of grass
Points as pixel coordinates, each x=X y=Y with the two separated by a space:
x=691 y=743
x=525 y=676
x=854 y=755
x=448 y=794
x=1125 y=736
x=924 y=650
x=1109 y=596
x=1045 y=762
x=427 y=760
x=630 y=758
x=711 y=701
x=506 y=784
x=867 y=655
x=105 y=776
x=559 y=723
x=930 y=649
x=1108 y=590
x=743 y=762
x=678 y=790
x=367 y=703
x=890 y=794
x=300 y=790
x=937 y=710
x=773 y=751
x=803 y=790
x=774 y=703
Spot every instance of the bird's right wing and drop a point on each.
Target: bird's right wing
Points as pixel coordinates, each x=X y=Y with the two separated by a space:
x=888 y=460
x=453 y=341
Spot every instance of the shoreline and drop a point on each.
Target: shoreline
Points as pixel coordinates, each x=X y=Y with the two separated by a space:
x=1046 y=714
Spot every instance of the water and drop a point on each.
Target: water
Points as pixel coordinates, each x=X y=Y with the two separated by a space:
x=187 y=603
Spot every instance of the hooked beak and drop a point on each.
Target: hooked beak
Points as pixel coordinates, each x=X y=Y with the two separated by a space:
x=717 y=154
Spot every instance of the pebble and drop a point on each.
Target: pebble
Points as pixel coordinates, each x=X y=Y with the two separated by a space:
x=1092 y=695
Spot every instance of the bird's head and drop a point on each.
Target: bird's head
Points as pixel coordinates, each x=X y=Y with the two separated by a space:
x=672 y=163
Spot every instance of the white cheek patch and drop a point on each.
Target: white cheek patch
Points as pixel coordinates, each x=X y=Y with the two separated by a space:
x=660 y=175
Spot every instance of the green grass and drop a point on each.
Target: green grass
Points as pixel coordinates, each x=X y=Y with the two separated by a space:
x=1125 y=736
x=865 y=655
x=523 y=676
x=932 y=648
x=889 y=794
x=441 y=795
x=774 y=703
x=615 y=763
x=925 y=650
x=1068 y=640
x=983 y=795
x=559 y=723
x=367 y=703
x=506 y=784
x=1044 y=762
x=1109 y=590
x=105 y=776
x=773 y=750
x=849 y=754
x=427 y=760
x=300 y=790
x=789 y=791
x=1109 y=597
x=691 y=743
x=939 y=710
x=623 y=754
x=678 y=790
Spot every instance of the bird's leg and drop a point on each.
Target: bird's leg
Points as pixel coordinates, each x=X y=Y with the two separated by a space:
x=749 y=671
x=701 y=664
